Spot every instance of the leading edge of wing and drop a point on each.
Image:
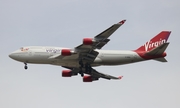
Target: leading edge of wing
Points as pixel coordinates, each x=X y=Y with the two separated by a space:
x=101 y=39
x=106 y=33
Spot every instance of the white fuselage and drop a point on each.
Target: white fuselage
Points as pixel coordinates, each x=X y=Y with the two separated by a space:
x=43 y=55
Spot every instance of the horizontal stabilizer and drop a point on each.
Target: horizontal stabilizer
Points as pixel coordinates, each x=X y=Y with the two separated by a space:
x=158 y=50
x=161 y=59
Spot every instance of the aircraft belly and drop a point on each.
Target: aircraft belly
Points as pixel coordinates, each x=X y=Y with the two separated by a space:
x=118 y=59
x=67 y=63
x=39 y=58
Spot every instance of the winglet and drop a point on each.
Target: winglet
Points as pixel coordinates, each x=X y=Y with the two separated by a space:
x=120 y=77
x=122 y=22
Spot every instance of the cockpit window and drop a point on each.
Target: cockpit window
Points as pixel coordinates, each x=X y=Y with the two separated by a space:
x=21 y=48
x=24 y=49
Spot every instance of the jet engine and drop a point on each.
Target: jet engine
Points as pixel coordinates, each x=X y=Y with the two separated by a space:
x=68 y=73
x=66 y=52
x=89 y=79
x=88 y=41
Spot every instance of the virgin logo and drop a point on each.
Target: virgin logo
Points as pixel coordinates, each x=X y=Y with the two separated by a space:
x=148 y=45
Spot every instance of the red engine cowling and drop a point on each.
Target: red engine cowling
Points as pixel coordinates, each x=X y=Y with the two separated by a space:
x=87 y=79
x=66 y=52
x=66 y=73
x=88 y=41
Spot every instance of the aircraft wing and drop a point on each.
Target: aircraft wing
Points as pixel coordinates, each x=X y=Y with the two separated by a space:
x=87 y=51
x=94 y=74
x=97 y=74
x=101 y=39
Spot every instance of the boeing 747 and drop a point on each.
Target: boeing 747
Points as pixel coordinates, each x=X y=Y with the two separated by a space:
x=82 y=58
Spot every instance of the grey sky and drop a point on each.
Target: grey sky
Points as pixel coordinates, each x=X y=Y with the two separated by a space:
x=148 y=84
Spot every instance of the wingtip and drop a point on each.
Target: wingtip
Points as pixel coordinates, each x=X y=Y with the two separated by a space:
x=166 y=31
x=120 y=77
x=122 y=22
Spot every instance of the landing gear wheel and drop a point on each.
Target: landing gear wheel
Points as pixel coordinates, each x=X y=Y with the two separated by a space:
x=81 y=72
x=25 y=67
x=88 y=68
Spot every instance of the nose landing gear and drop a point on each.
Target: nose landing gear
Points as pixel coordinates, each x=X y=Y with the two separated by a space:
x=25 y=67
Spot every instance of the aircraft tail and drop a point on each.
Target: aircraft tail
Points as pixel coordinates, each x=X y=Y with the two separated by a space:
x=156 y=41
x=158 y=52
x=155 y=48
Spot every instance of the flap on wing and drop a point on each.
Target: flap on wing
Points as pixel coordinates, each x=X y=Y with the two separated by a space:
x=89 y=57
x=96 y=74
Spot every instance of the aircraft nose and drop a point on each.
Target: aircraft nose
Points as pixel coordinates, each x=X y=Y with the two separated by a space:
x=12 y=55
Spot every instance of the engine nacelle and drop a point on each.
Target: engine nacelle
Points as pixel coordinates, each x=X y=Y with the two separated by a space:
x=66 y=73
x=89 y=79
x=66 y=52
x=88 y=41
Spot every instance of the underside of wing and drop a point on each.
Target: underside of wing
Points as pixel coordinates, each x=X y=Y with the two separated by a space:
x=87 y=51
x=95 y=73
x=101 y=39
x=92 y=76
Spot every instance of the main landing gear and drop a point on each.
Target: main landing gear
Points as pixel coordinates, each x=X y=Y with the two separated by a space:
x=80 y=68
x=87 y=67
x=25 y=67
x=81 y=72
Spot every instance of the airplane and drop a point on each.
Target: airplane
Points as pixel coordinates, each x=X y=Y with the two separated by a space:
x=82 y=58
